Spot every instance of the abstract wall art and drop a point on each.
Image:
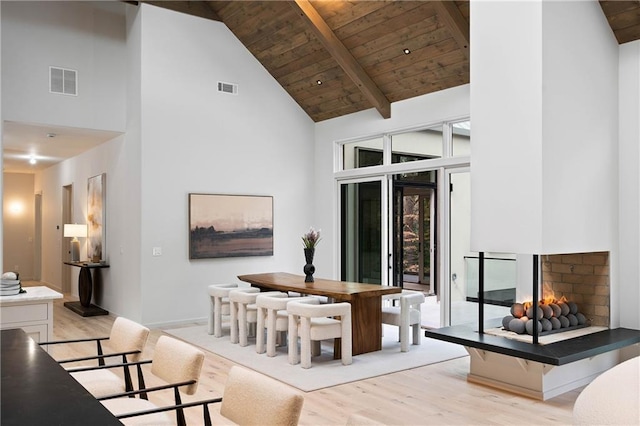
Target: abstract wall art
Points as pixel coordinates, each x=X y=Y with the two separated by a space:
x=96 y=193
x=230 y=225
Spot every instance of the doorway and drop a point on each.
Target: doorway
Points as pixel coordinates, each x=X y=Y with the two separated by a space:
x=67 y=217
x=415 y=231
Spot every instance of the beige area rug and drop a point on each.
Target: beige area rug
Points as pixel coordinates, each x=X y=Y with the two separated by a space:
x=325 y=371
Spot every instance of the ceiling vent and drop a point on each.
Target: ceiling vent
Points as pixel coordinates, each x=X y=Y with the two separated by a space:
x=63 y=81
x=230 y=88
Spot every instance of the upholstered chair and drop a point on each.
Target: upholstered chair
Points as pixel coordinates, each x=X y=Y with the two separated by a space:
x=611 y=398
x=268 y=322
x=126 y=340
x=242 y=304
x=273 y=318
x=251 y=398
x=314 y=323
x=178 y=365
x=406 y=316
x=219 y=305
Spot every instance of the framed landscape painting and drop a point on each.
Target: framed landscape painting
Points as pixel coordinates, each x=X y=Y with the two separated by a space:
x=230 y=226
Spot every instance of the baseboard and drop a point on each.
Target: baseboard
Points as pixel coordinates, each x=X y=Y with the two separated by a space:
x=193 y=321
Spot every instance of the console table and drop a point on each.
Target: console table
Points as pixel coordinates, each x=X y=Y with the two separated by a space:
x=36 y=390
x=31 y=311
x=85 y=288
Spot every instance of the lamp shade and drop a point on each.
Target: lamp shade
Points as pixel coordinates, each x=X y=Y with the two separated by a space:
x=75 y=230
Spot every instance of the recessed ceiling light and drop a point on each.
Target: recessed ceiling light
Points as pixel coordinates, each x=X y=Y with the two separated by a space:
x=51 y=135
x=319 y=82
x=32 y=160
x=406 y=51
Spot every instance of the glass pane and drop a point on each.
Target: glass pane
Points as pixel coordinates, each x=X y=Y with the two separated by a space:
x=499 y=279
x=461 y=139
x=499 y=274
x=416 y=145
x=362 y=154
x=417 y=177
x=361 y=228
x=417 y=245
x=460 y=247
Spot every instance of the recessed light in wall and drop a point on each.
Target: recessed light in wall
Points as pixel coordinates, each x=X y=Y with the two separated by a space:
x=32 y=160
x=406 y=51
x=51 y=135
x=319 y=82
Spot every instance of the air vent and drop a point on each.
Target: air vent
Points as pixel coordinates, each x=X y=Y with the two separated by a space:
x=63 y=81
x=230 y=88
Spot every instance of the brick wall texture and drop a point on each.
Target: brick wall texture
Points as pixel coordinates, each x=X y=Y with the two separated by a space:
x=582 y=278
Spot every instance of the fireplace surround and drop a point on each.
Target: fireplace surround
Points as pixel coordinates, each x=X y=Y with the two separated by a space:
x=544 y=370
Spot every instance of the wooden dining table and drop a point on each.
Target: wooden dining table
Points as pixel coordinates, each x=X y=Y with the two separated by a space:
x=365 y=300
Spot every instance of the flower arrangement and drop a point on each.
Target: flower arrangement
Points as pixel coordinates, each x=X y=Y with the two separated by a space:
x=311 y=239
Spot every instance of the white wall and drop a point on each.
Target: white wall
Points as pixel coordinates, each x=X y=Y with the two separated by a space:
x=423 y=110
x=195 y=139
x=544 y=130
x=72 y=35
x=506 y=115
x=629 y=180
x=580 y=128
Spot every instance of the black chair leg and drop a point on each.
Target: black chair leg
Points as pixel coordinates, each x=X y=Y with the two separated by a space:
x=180 y=420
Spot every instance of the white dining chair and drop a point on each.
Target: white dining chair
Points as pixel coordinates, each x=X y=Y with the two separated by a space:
x=314 y=323
x=243 y=310
x=219 y=306
x=406 y=316
x=273 y=319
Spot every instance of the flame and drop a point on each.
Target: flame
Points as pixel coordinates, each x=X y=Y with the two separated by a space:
x=546 y=301
x=548 y=297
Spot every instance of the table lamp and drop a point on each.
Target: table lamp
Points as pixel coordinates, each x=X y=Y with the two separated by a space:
x=75 y=231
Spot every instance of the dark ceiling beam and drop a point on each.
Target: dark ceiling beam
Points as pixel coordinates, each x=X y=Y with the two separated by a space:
x=195 y=8
x=454 y=20
x=342 y=56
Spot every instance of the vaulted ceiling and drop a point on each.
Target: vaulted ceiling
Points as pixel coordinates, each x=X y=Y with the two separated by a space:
x=339 y=57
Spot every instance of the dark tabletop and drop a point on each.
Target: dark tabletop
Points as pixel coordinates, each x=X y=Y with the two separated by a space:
x=36 y=390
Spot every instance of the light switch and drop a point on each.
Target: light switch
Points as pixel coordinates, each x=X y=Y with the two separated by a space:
x=157 y=251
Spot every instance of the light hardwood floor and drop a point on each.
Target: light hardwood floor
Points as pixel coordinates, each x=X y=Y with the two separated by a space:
x=432 y=395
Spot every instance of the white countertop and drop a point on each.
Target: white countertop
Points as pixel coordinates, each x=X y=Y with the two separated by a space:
x=33 y=294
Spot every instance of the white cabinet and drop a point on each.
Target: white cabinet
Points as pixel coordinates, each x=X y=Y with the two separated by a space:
x=32 y=311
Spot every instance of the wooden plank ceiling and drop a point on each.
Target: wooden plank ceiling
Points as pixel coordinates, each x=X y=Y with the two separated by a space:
x=339 y=57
